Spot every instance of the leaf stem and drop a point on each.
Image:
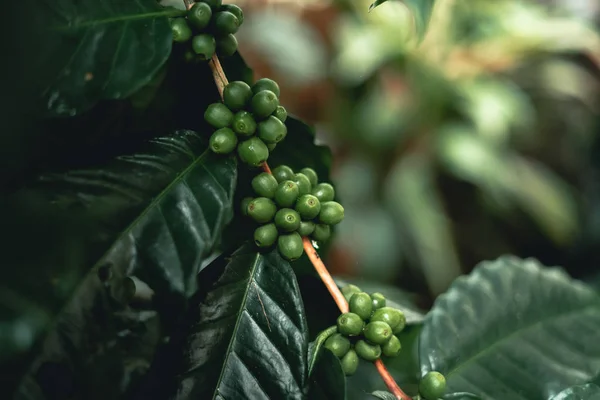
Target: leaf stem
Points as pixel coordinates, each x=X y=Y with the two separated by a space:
x=221 y=81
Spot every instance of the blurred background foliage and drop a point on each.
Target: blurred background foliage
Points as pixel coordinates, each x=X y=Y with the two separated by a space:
x=476 y=139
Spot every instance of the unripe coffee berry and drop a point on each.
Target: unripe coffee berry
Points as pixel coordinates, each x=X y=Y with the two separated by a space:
x=199 y=15
x=243 y=124
x=264 y=185
x=271 y=146
x=324 y=192
x=226 y=45
x=378 y=332
x=392 y=347
x=350 y=324
x=218 y=115
x=204 y=45
x=349 y=290
x=311 y=175
x=264 y=103
x=389 y=315
x=350 y=362
x=262 y=210
x=236 y=95
x=432 y=386
x=332 y=213
x=290 y=246
x=287 y=220
x=266 y=84
x=244 y=205
x=266 y=235
x=223 y=141
x=306 y=228
x=308 y=206
x=338 y=344
x=303 y=182
x=225 y=23
x=286 y=194
x=253 y=151
x=180 y=29
x=361 y=305
x=215 y=5
x=280 y=113
x=322 y=233
x=401 y=325
x=283 y=173
x=378 y=301
x=235 y=10
x=272 y=130
x=367 y=351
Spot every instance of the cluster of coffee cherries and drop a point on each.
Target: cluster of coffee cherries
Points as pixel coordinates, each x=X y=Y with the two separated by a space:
x=290 y=206
x=368 y=331
x=211 y=26
x=249 y=119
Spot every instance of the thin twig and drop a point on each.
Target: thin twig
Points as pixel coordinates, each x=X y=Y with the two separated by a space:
x=389 y=381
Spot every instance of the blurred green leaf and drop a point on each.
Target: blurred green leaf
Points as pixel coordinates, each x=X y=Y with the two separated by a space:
x=383 y=395
x=579 y=392
x=421 y=10
x=513 y=329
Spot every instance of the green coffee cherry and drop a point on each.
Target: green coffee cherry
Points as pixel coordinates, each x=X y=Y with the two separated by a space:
x=389 y=315
x=324 y=192
x=332 y=213
x=280 y=113
x=290 y=246
x=266 y=235
x=311 y=175
x=349 y=290
x=366 y=351
x=303 y=182
x=350 y=324
x=272 y=130
x=361 y=305
x=338 y=344
x=401 y=325
x=218 y=115
x=287 y=220
x=264 y=103
x=243 y=124
x=266 y=84
x=378 y=301
x=432 y=386
x=235 y=10
x=215 y=5
x=204 y=45
x=226 y=45
x=225 y=23
x=253 y=151
x=180 y=29
x=350 y=362
x=322 y=233
x=283 y=173
x=223 y=141
x=271 y=146
x=236 y=95
x=286 y=193
x=308 y=206
x=244 y=205
x=306 y=228
x=264 y=185
x=392 y=347
x=262 y=210
x=199 y=15
x=378 y=332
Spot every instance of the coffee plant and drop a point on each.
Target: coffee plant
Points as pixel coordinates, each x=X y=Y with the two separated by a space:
x=172 y=233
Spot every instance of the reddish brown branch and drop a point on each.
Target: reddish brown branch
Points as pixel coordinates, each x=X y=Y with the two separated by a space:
x=389 y=381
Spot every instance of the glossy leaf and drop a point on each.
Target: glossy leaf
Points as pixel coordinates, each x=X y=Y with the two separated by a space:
x=579 y=392
x=155 y=214
x=100 y=49
x=394 y=297
x=245 y=334
x=513 y=329
x=314 y=348
x=421 y=10
x=327 y=381
x=383 y=395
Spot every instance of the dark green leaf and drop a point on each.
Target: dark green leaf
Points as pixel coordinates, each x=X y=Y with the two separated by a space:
x=99 y=49
x=314 y=348
x=579 y=392
x=421 y=10
x=245 y=335
x=513 y=329
x=394 y=297
x=381 y=394
x=327 y=381
x=236 y=69
x=155 y=214
x=461 y=396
